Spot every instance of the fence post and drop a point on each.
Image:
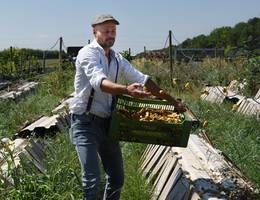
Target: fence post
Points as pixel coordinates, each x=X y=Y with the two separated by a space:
x=43 y=61
x=145 y=52
x=170 y=54
x=129 y=53
x=11 y=58
x=60 y=52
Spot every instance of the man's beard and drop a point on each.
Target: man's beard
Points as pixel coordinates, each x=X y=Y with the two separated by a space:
x=107 y=44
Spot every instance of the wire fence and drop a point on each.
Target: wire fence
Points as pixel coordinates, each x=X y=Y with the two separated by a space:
x=20 y=63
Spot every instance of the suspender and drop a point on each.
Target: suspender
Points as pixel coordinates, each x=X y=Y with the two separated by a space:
x=114 y=96
x=91 y=96
x=90 y=99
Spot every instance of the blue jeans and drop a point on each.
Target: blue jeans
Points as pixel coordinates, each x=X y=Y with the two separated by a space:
x=89 y=135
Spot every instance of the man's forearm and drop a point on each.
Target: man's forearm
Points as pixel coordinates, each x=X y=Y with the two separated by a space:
x=113 y=88
x=133 y=89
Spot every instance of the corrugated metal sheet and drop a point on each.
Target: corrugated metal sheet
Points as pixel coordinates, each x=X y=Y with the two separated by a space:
x=196 y=172
x=19 y=91
x=249 y=106
x=64 y=103
x=42 y=126
x=217 y=94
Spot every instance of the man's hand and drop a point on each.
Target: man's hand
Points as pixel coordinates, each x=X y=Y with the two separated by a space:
x=135 y=90
x=179 y=107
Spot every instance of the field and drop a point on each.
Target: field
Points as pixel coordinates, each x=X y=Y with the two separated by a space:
x=234 y=134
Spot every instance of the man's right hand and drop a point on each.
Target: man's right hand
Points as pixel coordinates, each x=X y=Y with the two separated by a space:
x=136 y=90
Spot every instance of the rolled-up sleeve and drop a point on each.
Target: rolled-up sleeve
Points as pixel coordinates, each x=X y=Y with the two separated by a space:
x=90 y=63
x=131 y=74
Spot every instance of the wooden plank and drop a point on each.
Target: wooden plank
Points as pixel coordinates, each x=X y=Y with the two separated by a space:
x=147 y=149
x=159 y=164
x=251 y=108
x=153 y=161
x=171 y=182
x=257 y=96
x=37 y=148
x=165 y=164
x=147 y=156
x=167 y=172
x=150 y=156
x=241 y=105
x=180 y=190
x=26 y=155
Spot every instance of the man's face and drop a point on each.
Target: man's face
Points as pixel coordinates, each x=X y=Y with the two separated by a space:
x=105 y=34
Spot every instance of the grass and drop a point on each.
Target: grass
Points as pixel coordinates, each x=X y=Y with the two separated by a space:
x=52 y=62
x=51 y=90
x=135 y=187
x=62 y=180
x=234 y=134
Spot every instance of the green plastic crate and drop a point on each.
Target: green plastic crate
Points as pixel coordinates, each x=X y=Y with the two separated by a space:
x=157 y=132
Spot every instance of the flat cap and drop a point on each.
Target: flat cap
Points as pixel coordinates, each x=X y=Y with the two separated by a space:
x=103 y=18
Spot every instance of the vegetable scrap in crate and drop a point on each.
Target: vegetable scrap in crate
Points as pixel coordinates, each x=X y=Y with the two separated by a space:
x=150 y=115
x=149 y=121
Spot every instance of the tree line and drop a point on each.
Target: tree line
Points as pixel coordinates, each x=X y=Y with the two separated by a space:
x=244 y=35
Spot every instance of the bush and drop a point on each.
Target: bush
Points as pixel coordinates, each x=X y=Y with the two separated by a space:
x=252 y=75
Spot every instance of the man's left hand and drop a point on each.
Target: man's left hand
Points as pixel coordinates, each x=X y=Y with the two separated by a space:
x=180 y=107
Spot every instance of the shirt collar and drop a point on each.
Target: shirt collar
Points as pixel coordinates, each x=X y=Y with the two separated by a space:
x=95 y=44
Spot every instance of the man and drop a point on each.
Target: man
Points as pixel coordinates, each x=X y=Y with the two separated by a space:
x=97 y=69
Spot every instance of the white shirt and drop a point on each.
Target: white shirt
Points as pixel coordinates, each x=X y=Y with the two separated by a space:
x=91 y=68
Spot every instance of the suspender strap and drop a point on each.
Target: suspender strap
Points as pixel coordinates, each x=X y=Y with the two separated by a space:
x=90 y=99
x=91 y=96
x=117 y=66
x=114 y=96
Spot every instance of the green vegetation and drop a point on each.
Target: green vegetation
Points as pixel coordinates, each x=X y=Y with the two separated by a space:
x=62 y=179
x=243 y=34
x=23 y=63
x=234 y=134
x=135 y=187
x=237 y=136
x=53 y=87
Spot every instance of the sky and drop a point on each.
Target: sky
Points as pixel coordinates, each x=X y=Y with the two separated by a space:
x=38 y=24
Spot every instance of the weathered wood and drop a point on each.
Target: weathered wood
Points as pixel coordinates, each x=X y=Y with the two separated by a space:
x=249 y=106
x=217 y=94
x=163 y=168
x=171 y=183
x=159 y=164
x=257 y=96
x=150 y=156
x=196 y=172
x=153 y=161
x=146 y=151
x=166 y=173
